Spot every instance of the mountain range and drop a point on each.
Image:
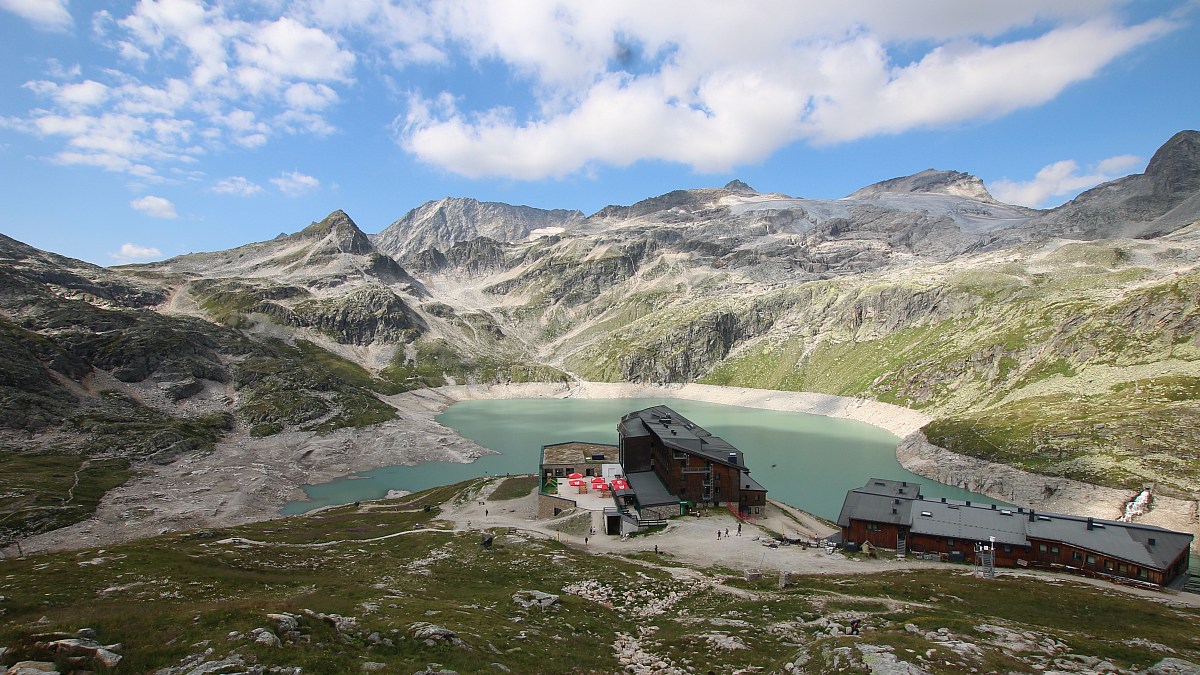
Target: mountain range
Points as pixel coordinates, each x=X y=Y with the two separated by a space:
x=1064 y=341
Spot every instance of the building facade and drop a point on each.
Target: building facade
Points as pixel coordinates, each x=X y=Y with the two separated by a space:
x=692 y=464
x=895 y=515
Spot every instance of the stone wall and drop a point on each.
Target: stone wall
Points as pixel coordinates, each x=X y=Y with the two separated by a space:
x=547 y=504
x=653 y=512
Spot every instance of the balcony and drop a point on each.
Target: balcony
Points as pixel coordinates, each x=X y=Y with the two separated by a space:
x=698 y=469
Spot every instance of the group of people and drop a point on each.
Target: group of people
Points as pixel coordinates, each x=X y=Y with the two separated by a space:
x=739 y=532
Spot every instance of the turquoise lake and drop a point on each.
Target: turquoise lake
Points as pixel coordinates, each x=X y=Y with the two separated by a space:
x=808 y=461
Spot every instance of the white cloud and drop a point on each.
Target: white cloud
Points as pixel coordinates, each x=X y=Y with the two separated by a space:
x=710 y=85
x=310 y=97
x=286 y=48
x=294 y=183
x=82 y=94
x=155 y=207
x=134 y=253
x=1063 y=179
x=205 y=77
x=616 y=83
x=45 y=14
x=237 y=185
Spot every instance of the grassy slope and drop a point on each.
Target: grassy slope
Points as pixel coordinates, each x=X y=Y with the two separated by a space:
x=1074 y=362
x=171 y=597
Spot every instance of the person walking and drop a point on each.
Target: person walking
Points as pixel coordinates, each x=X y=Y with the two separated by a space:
x=718 y=535
x=739 y=528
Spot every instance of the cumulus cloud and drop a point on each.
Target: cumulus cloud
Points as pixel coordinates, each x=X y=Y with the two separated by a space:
x=237 y=185
x=45 y=14
x=1060 y=180
x=207 y=77
x=709 y=85
x=294 y=183
x=155 y=207
x=135 y=253
x=614 y=85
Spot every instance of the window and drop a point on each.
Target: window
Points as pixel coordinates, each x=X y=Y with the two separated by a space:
x=1054 y=550
x=950 y=541
x=1142 y=574
x=1091 y=560
x=1076 y=556
x=1109 y=565
x=1123 y=568
x=1042 y=548
x=558 y=472
x=1008 y=548
x=872 y=527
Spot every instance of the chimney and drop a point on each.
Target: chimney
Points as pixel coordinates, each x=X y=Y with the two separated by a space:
x=1089 y=524
x=1150 y=541
x=943 y=500
x=993 y=507
x=733 y=458
x=904 y=483
x=1032 y=515
x=968 y=502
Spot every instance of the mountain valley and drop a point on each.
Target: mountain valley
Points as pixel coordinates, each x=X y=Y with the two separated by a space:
x=1062 y=342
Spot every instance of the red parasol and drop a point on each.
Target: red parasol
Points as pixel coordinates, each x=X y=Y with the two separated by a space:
x=575 y=475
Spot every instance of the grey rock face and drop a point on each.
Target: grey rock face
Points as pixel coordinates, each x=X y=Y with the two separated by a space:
x=932 y=181
x=1163 y=199
x=442 y=223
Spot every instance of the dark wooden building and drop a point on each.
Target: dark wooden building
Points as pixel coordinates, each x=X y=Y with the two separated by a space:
x=692 y=464
x=895 y=515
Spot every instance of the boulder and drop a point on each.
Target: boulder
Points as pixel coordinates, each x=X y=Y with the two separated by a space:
x=534 y=598
x=433 y=635
x=32 y=668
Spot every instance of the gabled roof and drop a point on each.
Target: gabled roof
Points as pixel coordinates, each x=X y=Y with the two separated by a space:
x=1127 y=541
x=679 y=433
x=748 y=483
x=874 y=508
x=900 y=503
x=972 y=523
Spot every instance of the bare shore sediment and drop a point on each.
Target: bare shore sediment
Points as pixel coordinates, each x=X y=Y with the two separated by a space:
x=247 y=479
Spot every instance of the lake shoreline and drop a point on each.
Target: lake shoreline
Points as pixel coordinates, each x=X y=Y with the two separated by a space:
x=250 y=479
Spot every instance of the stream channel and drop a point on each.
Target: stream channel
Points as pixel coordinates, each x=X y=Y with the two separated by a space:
x=808 y=461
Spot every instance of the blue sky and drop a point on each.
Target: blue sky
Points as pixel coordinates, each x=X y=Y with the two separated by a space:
x=133 y=131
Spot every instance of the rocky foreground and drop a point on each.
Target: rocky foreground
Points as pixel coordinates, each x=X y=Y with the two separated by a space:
x=406 y=586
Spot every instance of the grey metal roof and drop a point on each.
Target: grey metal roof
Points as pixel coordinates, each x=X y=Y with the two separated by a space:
x=972 y=523
x=874 y=508
x=677 y=432
x=891 y=488
x=650 y=489
x=749 y=483
x=875 y=501
x=632 y=427
x=1127 y=541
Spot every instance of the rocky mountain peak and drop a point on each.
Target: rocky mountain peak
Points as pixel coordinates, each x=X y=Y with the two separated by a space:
x=739 y=187
x=341 y=233
x=930 y=181
x=1175 y=167
x=442 y=223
